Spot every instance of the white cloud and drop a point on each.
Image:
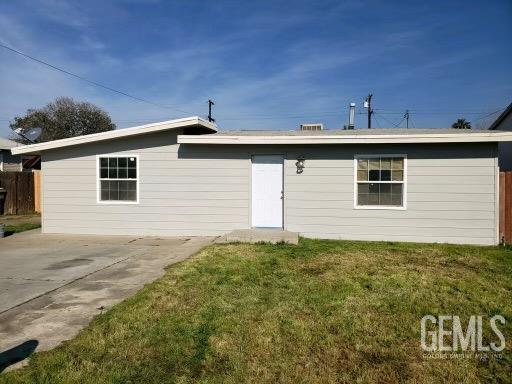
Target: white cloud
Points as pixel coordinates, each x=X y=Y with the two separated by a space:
x=63 y=12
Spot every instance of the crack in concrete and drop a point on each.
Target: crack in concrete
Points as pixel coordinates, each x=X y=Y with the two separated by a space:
x=25 y=279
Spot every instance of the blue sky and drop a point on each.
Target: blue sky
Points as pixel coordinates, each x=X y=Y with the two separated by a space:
x=267 y=64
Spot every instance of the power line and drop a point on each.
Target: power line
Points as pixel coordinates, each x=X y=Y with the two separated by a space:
x=433 y=113
x=400 y=123
x=377 y=121
x=270 y=117
x=90 y=81
x=389 y=121
x=428 y=110
x=370 y=110
x=490 y=114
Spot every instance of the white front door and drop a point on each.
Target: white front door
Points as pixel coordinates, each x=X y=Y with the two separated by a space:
x=267 y=191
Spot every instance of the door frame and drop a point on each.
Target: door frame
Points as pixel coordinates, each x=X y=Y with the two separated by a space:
x=251 y=181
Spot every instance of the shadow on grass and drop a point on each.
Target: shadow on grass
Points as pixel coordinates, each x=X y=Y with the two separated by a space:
x=17 y=353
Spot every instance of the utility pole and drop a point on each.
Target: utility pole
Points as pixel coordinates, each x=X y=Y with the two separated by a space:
x=406 y=117
x=368 y=106
x=210 y=118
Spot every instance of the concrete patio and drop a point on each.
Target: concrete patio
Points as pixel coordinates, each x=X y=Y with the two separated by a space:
x=51 y=286
x=272 y=236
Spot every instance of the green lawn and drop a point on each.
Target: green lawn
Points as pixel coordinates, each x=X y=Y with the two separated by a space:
x=11 y=229
x=319 y=312
x=20 y=223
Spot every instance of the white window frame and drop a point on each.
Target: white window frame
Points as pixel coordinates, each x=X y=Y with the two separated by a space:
x=98 y=180
x=403 y=207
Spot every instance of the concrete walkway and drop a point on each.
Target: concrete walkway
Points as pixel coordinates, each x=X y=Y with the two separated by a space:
x=258 y=235
x=51 y=286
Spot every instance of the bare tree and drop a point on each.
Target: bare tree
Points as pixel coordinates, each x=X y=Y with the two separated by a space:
x=64 y=118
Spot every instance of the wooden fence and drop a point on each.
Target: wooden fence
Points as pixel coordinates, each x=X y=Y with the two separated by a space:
x=20 y=196
x=506 y=207
x=37 y=191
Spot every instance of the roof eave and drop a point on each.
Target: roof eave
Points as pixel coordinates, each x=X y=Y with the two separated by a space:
x=355 y=139
x=110 y=135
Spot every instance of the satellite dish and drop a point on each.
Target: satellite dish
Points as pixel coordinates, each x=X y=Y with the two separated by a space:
x=31 y=134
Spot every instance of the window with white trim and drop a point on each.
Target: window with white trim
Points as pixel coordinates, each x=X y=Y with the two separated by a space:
x=118 y=178
x=380 y=181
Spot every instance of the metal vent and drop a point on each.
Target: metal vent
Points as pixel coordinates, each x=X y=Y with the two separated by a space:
x=311 y=127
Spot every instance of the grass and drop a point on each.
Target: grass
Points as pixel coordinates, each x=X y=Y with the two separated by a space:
x=22 y=227
x=319 y=312
x=20 y=223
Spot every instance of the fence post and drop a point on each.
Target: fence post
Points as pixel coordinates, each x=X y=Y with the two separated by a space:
x=37 y=191
x=508 y=207
x=502 y=206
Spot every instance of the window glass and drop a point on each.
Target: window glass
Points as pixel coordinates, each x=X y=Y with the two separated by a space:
x=380 y=181
x=118 y=178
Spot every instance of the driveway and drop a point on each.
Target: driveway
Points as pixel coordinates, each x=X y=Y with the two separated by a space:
x=51 y=286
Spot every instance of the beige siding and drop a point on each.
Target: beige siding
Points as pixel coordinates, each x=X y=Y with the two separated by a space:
x=205 y=190
x=176 y=196
x=450 y=195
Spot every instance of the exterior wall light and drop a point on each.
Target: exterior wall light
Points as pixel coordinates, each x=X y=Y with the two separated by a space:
x=300 y=164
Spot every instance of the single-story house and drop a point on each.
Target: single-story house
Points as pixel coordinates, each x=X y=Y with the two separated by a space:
x=504 y=123
x=9 y=162
x=185 y=178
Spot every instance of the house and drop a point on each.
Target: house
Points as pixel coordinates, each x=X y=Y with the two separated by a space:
x=184 y=178
x=504 y=123
x=9 y=162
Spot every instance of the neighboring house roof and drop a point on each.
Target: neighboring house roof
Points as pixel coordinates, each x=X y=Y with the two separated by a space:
x=501 y=117
x=188 y=122
x=7 y=144
x=355 y=136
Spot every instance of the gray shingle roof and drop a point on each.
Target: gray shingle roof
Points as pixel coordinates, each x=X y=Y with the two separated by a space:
x=351 y=132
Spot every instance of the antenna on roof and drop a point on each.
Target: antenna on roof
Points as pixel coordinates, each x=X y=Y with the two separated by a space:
x=32 y=134
x=210 y=118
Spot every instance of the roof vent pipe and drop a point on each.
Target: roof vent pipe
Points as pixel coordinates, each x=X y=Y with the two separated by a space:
x=351 y=115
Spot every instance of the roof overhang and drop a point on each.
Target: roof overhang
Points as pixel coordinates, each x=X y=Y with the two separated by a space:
x=118 y=133
x=484 y=136
x=501 y=117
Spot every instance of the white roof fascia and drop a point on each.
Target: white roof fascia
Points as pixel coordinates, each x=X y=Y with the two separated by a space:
x=347 y=139
x=118 y=133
